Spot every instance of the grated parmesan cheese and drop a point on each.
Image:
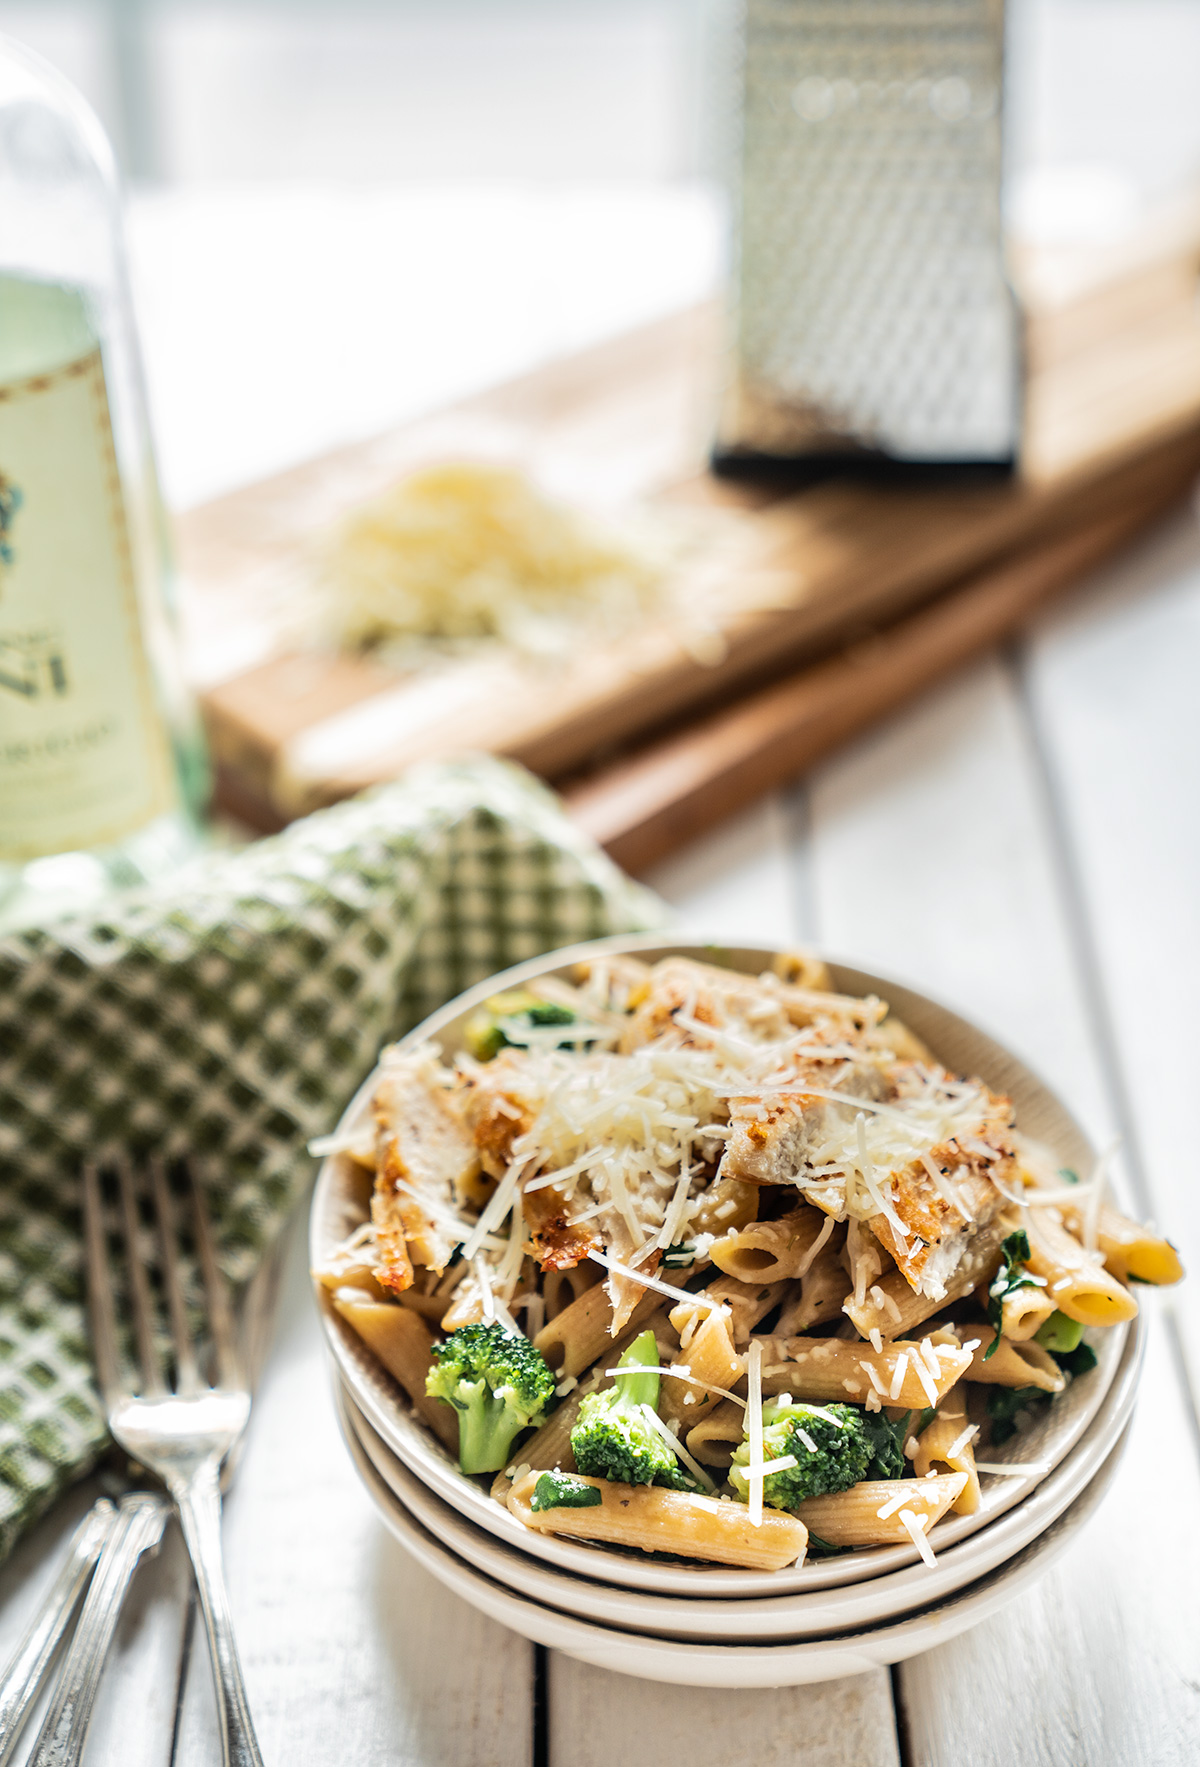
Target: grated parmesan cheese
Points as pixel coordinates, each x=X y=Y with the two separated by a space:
x=915 y=1527
x=783 y=1463
x=922 y=1374
x=959 y=1443
x=704 y=1309
x=754 y=1421
x=672 y=1440
x=1014 y=1468
x=930 y=1358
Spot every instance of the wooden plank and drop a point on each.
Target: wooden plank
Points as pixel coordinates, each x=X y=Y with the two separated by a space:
x=735 y=885
x=1112 y=335
x=778 y=578
x=738 y=876
x=1112 y=683
x=1099 y=1663
x=932 y=857
x=351 y=1651
x=644 y=807
x=597 y=1719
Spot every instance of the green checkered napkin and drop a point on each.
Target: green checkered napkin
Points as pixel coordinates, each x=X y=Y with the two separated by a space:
x=232 y=1014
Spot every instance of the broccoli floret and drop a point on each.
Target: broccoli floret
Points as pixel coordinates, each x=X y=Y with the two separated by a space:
x=614 y=1439
x=497 y=1383
x=485 y=1033
x=844 y=1443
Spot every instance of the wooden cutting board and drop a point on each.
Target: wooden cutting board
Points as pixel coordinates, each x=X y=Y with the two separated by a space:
x=772 y=583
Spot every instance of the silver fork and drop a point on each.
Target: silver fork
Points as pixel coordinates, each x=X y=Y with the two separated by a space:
x=26 y=1673
x=185 y=1435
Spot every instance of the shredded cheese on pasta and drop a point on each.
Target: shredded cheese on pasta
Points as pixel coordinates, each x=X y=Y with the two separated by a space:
x=754 y=1426
x=915 y=1526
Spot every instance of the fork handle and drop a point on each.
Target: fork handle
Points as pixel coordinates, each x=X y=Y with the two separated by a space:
x=199 y=1502
x=31 y=1661
x=141 y=1518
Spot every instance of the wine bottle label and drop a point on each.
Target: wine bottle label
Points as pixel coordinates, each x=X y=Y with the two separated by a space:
x=84 y=759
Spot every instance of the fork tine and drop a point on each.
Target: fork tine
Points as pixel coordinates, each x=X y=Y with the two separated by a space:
x=99 y=1289
x=187 y=1376
x=139 y=1287
x=220 y=1314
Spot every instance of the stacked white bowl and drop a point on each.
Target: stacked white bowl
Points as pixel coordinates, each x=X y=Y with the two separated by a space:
x=664 y=1619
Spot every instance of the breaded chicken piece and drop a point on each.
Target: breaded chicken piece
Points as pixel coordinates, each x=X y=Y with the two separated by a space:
x=773 y=1135
x=557 y=1245
x=422 y=1143
x=500 y=1103
x=942 y=1218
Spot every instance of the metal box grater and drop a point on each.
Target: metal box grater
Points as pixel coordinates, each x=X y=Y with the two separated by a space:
x=871 y=313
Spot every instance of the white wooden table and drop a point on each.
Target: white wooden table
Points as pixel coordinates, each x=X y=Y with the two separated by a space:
x=1024 y=843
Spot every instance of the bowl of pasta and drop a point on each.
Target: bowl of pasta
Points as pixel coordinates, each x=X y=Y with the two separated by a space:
x=405 y=1500
x=721 y=1658
x=727 y=1275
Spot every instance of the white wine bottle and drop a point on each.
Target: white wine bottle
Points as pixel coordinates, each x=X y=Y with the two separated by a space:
x=102 y=771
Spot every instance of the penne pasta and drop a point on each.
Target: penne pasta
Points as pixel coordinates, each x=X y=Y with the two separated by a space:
x=1010 y=1365
x=892 y=1308
x=1024 y=1312
x=550 y=1446
x=1077 y=1284
x=712 y=1441
x=561 y=1287
x=823 y=1289
x=433 y=1308
x=772 y=1251
x=1129 y=1249
x=726 y=1204
x=895 y=1035
x=465 y=1305
x=656 y=1520
x=747 y=1302
x=709 y=1341
x=403 y=1343
x=946 y=1445
x=802 y=969
x=711 y=1359
x=573 y=1340
x=352 y=1264
x=821 y=1370
x=852 y=1518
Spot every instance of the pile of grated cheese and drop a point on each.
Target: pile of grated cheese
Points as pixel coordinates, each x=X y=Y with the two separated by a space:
x=470 y=550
